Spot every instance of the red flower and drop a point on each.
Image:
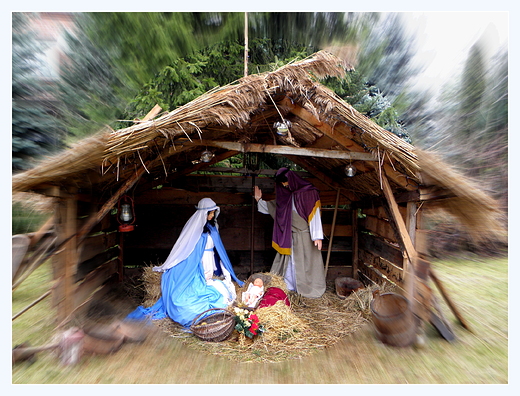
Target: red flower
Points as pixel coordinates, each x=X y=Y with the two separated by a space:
x=254 y=318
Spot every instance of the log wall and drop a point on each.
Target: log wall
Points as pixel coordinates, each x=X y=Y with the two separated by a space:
x=380 y=247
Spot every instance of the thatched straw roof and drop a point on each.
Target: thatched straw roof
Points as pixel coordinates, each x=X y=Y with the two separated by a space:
x=244 y=112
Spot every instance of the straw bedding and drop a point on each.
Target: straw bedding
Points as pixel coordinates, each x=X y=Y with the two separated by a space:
x=309 y=325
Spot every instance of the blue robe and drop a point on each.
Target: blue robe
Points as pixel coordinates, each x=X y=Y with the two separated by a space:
x=184 y=292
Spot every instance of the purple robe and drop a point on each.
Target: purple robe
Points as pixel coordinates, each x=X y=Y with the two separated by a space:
x=306 y=201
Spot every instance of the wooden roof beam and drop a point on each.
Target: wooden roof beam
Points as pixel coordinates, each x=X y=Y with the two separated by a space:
x=344 y=138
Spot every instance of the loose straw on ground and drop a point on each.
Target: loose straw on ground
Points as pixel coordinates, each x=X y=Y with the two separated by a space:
x=307 y=326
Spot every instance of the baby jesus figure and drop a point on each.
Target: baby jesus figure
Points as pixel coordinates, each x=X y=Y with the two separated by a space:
x=254 y=293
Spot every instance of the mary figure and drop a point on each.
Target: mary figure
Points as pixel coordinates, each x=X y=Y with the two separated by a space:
x=197 y=275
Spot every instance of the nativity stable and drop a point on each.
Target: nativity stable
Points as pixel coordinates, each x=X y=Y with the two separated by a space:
x=121 y=197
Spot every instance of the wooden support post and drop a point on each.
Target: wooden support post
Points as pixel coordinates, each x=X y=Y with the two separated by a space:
x=252 y=236
x=411 y=220
x=332 y=232
x=64 y=263
x=355 y=243
x=70 y=254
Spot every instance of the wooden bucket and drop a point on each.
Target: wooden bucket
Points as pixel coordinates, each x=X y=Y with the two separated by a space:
x=345 y=286
x=393 y=319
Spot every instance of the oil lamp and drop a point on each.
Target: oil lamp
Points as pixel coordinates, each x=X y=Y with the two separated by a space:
x=126 y=214
x=282 y=127
x=350 y=170
x=206 y=156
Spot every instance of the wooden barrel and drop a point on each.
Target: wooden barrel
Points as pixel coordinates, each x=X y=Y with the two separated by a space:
x=393 y=319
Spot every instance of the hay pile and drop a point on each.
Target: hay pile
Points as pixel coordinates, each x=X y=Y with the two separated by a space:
x=308 y=325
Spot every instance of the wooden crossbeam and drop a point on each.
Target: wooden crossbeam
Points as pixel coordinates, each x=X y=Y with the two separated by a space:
x=288 y=150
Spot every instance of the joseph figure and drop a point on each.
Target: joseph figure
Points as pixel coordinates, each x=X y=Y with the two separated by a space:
x=297 y=233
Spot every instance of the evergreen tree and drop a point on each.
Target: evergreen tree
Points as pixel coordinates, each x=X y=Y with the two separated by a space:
x=113 y=54
x=386 y=57
x=91 y=92
x=166 y=56
x=316 y=29
x=35 y=131
x=220 y=64
x=472 y=90
x=189 y=77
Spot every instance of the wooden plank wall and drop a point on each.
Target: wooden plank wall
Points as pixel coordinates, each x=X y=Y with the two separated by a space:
x=161 y=214
x=380 y=257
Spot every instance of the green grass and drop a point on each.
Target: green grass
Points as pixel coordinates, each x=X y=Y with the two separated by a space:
x=479 y=288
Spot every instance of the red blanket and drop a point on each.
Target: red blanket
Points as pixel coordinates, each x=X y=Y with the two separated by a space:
x=271 y=296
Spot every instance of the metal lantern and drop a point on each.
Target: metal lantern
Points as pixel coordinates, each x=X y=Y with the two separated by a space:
x=126 y=214
x=282 y=127
x=350 y=170
x=206 y=156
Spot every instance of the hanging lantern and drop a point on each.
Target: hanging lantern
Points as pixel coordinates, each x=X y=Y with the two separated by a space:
x=126 y=214
x=282 y=127
x=206 y=156
x=350 y=170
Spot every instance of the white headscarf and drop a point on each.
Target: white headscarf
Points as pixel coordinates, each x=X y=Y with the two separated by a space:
x=190 y=234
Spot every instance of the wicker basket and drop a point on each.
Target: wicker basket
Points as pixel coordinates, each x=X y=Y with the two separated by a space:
x=215 y=327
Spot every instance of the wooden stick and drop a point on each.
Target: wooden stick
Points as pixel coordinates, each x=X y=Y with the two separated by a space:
x=401 y=226
x=253 y=210
x=332 y=232
x=43 y=296
x=450 y=302
x=355 y=243
x=246 y=45
x=35 y=237
x=36 y=262
x=288 y=150
x=22 y=353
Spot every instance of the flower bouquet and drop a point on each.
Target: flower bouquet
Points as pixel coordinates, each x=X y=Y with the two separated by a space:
x=247 y=323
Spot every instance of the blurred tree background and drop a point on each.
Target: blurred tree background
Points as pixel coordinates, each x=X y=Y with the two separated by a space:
x=119 y=65
x=36 y=128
